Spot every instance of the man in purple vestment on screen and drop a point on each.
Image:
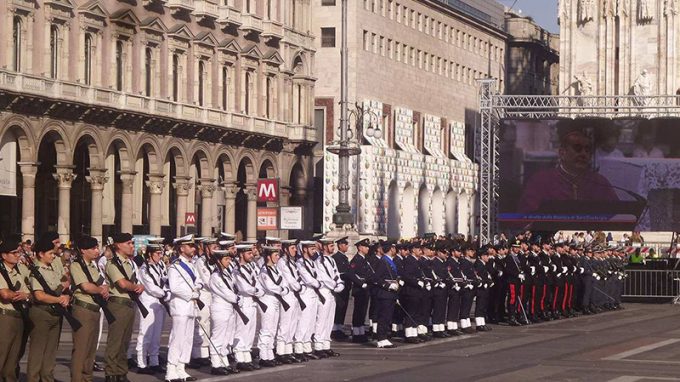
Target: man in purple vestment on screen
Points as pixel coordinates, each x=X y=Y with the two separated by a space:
x=572 y=179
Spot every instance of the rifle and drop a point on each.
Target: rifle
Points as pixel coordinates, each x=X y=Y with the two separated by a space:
x=98 y=299
x=133 y=296
x=283 y=302
x=20 y=306
x=56 y=308
x=237 y=308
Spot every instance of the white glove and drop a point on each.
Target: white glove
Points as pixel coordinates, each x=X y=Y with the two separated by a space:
x=554 y=267
x=401 y=282
x=198 y=286
x=456 y=287
x=581 y=270
x=521 y=276
x=545 y=269
x=339 y=287
x=194 y=295
x=620 y=277
x=500 y=273
x=598 y=278
x=564 y=269
x=470 y=286
x=595 y=275
x=491 y=285
x=421 y=284
x=364 y=286
x=428 y=287
x=533 y=270
x=485 y=286
x=393 y=287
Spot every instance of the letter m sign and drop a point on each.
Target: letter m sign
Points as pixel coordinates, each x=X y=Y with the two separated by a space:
x=267 y=190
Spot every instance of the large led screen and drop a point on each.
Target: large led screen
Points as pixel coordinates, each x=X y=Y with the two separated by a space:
x=590 y=174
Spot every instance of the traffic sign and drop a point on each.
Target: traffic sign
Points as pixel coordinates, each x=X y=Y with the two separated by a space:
x=267 y=219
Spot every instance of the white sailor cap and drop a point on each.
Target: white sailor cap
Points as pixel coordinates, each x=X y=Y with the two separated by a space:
x=209 y=240
x=307 y=243
x=244 y=247
x=270 y=239
x=156 y=240
x=218 y=253
x=188 y=239
x=289 y=242
x=228 y=236
x=226 y=243
x=326 y=241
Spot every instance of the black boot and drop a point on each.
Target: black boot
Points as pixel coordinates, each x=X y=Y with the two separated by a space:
x=219 y=371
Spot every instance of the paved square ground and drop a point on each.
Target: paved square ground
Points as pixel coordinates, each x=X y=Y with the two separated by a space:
x=640 y=343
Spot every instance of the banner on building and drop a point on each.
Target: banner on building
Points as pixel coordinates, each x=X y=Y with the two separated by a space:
x=291 y=218
x=8 y=166
x=267 y=219
x=267 y=190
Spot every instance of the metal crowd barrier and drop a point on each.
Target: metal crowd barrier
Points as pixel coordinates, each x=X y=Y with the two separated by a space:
x=652 y=283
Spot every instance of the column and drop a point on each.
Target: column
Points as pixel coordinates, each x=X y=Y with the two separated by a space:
x=207 y=189
x=251 y=192
x=64 y=177
x=28 y=172
x=155 y=184
x=97 y=179
x=230 y=190
x=182 y=187
x=128 y=179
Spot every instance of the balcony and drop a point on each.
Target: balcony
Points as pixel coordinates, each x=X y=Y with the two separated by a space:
x=181 y=5
x=100 y=106
x=251 y=23
x=229 y=16
x=206 y=10
x=272 y=30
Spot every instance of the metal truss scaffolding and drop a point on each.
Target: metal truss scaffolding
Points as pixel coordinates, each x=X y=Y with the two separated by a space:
x=494 y=107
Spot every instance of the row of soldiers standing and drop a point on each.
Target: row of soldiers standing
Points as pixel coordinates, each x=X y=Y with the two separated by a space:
x=286 y=299
x=427 y=288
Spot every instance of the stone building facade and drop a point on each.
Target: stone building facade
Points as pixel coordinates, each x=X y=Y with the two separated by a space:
x=412 y=68
x=127 y=115
x=532 y=61
x=609 y=46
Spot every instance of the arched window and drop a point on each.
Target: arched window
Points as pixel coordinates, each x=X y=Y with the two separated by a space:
x=16 y=40
x=119 y=65
x=225 y=87
x=54 y=51
x=201 y=82
x=147 y=72
x=247 y=95
x=268 y=98
x=88 y=59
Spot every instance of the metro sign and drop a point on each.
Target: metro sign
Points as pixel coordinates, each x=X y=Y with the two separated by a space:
x=267 y=190
x=190 y=218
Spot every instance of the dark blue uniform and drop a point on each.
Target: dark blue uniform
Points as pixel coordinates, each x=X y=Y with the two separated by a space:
x=360 y=274
x=384 y=298
x=342 y=298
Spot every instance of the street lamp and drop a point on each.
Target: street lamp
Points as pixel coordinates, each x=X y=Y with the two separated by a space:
x=347 y=146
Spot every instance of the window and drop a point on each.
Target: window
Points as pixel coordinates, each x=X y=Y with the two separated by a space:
x=16 y=40
x=299 y=102
x=119 y=65
x=327 y=3
x=247 y=95
x=88 y=59
x=175 y=77
x=54 y=51
x=269 y=9
x=247 y=6
x=328 y=37
x=268 y=97
x=382 y=45
x=201 y=82
x=147 y=72
x=319 y=123
x=366 y=43
x=225 y=87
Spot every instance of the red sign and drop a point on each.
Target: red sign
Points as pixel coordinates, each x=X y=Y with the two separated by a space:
x=190 y=218
x=267 y=190
x=267 y=219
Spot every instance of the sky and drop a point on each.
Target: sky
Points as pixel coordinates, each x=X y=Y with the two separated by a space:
x=544 y=12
